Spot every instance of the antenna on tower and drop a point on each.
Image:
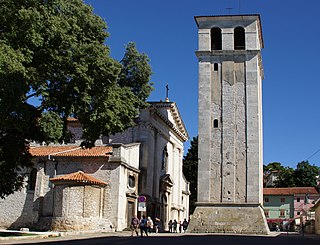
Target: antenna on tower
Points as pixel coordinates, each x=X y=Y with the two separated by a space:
x=229 y=9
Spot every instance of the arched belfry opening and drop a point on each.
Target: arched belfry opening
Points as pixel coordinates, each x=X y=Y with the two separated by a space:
x=239 y=38
x=216 y=39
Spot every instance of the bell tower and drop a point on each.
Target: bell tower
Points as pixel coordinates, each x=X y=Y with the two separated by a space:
x=230 y=185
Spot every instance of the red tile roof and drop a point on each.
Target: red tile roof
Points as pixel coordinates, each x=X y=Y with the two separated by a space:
x=71 y=151
x=289 y=191
x=79 y=177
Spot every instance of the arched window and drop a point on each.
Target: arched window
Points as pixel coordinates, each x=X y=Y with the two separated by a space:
x=216 y=39
x=215 y=67
x=239 y=38
x=32 y=180
x=215 y=123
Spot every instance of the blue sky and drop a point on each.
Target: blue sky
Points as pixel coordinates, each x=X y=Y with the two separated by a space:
x=166 y=31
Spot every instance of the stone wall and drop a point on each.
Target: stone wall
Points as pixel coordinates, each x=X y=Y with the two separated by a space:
x=228 y=219
x=230 y=128
x=79 y=208
x=16 y=210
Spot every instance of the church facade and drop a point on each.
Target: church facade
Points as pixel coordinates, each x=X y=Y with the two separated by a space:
x=71 y=188
x=161 y=133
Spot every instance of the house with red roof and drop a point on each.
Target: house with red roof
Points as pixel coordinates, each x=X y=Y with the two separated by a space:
x=287 y=205
x=73 y=188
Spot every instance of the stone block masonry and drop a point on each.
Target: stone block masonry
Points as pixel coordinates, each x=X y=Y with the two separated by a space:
x=230 y=126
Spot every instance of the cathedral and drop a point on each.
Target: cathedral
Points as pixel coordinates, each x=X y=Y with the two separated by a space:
x=72 y=188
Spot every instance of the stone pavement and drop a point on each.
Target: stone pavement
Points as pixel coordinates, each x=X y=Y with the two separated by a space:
x=96 y=237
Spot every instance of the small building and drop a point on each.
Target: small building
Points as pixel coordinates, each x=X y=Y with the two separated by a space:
x=278 y=207
x=288 y=205
x=71 y=188
x=270 y=178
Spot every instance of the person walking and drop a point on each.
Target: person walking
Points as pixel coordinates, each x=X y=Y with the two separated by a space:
x=175 y=225
x=134 y=226
x=143 y=225
x=156 y=225
x=170 y=225
x=185 y=225
x=149 y=225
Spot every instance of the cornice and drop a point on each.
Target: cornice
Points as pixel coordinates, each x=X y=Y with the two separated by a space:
x=180 y=129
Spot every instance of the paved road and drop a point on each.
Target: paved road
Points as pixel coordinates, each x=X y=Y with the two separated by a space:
x=176 y=239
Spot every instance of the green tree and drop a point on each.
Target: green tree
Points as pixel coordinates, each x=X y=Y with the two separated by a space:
x=273 y=166
x=136 y=72
x=305 y=174
x=285 y=178
x=190 y=171
x=55 y=50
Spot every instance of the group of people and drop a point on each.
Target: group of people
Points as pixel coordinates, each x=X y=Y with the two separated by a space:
x=147 y=225
x=173 y=226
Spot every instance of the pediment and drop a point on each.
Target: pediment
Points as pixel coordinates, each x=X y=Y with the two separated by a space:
x=167 y=180
x=169 y=113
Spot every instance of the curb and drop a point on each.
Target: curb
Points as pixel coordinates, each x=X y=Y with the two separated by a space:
x=29 y=235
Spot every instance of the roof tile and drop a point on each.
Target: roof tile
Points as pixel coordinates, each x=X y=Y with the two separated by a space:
x=290 y=191
x=79 y=177
x=71 y=151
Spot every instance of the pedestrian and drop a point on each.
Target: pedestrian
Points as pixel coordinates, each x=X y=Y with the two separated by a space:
x=143 y=225
x=134 y=226
x=180 y=226
x=185 y=225
x=149 y=225
x=170 y=225
x=156 y=225
x=175 y=225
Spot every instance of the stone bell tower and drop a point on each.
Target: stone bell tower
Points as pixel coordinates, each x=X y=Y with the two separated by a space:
x=230 y=151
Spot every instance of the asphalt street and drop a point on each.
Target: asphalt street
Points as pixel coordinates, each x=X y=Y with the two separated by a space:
x=175 y=239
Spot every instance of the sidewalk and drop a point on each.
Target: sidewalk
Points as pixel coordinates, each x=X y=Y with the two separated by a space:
x=40 y=237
